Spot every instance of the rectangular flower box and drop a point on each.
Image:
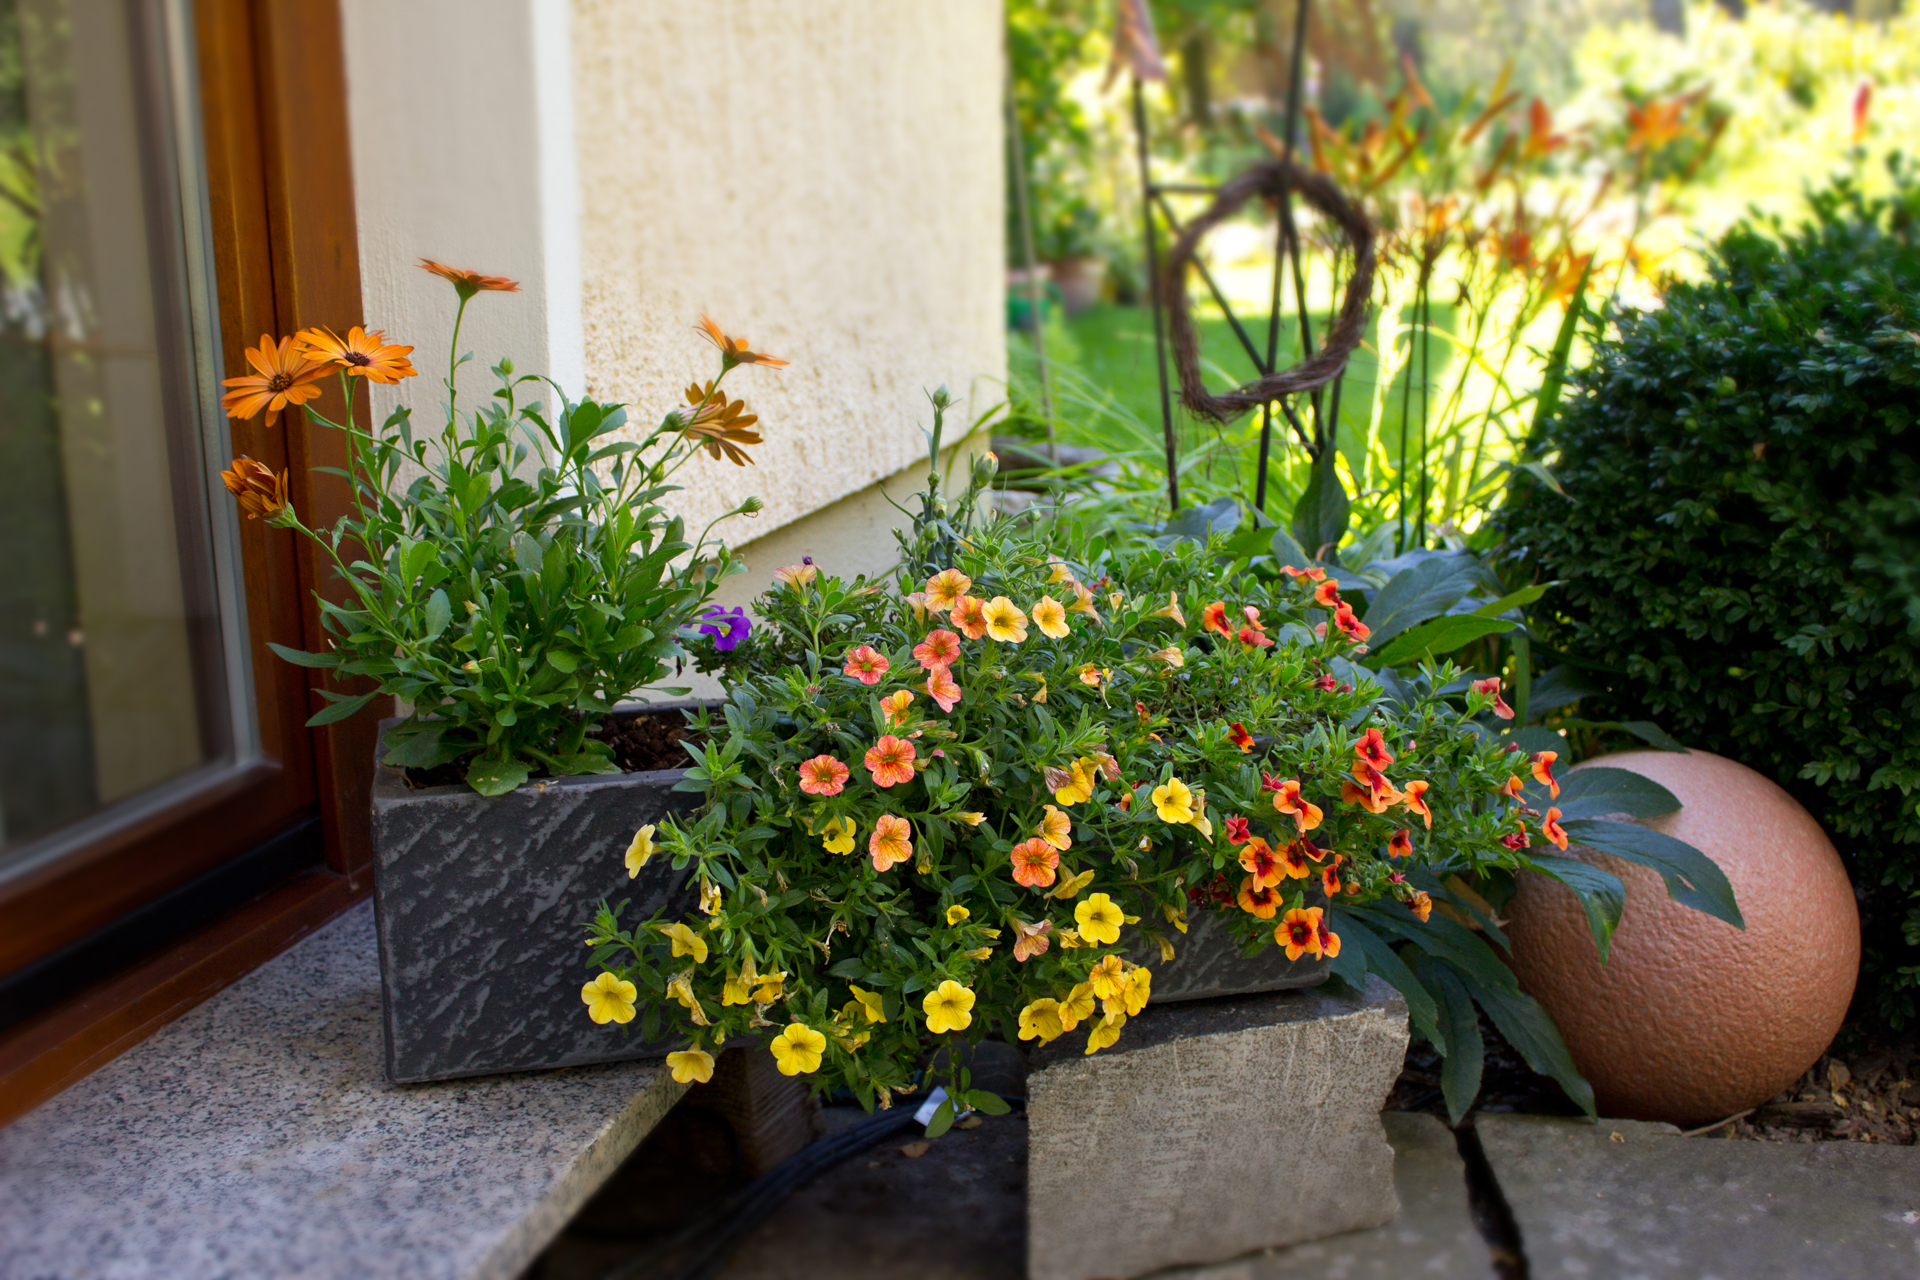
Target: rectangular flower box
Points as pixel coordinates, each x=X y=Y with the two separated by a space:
x=480 y=905
x=1207 y=961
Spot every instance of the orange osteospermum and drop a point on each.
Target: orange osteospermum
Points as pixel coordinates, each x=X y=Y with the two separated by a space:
x=734 y=351
x=1287 y=799
x=1239 y=737
x=1259 y=858
x=891 y=842
x=942 y=688
x=1260 y=901
x=946 y=589
x=361 y=353
x=1550 y=828
x=824 y=776
x=283 y=376
x=970 y=615
x=890 y=760
x=1372 y=748
x=261 y=494
x=1214 y=618
x=468 y=283
x=866 y=664
x=1034 y=863
x=721 y=426
x=1414 y=797
x=1543 y=771
x=940 y=649
x=1299 y=932
x=1401 y=845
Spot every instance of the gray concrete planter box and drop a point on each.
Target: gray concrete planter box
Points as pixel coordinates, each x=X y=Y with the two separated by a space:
x=1207 y=962
x=480 y=904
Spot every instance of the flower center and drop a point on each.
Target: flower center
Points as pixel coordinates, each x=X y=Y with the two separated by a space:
x=359 y=357
x=279 y=382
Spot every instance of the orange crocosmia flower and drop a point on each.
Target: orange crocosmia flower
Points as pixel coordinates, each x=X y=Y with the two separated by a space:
x=1550 y=828
x=1287 y=799
x=1030 y=940
x=1401 y=845
x=1299 y=933
x=360 y=353
x=970 y=615
x=283 y=376
x=1298 y=858
x=1421 y=904
x=866 y=665
x=946 y=588
x=1261 y=902
x=1414 y=797
x=890 y=760
x=1239 y=737
x=891 y=842
x=1034 y=863
x=942 y=688
x=895 y=705
x=468 y=283
x=940 y=649
x=1259 y=858
x=1372 y=748
x=824 y=776
x=1491 y=685
x=1344 y=618
x=1541 y=139
x=1214 y=618
x=1543 y=771
x=1511 y=787
x=734 y=350
x=1329 y=940
x=1327 y=594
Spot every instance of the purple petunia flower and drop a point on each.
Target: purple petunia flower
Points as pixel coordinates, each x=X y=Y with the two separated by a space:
x=728 y=627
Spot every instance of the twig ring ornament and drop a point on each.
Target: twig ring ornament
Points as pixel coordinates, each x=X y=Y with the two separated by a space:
x=1275 y=179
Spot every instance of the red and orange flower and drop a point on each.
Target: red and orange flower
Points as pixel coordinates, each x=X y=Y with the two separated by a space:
x=866 y=664
x=1543 y=771
x=940 y=649
x=1287 y=799
x=824 y=776
x=735 y=351
x=1261 y=902
x=970 y=615
x=1401 y=845
x=468 y=283
x=1299 y=933
x=1034 y=863
x=1266 y=866
x=1214 y=618
x=1239 y=737
x=890 y=760
x=1372 y=748
x=1491 y=687
x=942 y=688
x=1414 y=797
x=1550 y=828
x=891 y=842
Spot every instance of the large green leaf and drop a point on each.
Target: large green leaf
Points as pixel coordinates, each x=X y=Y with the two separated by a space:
x=1320 y=517
x=1438 y=636
x=1558 y=687
x=1380 y=958
x=1513 y=600
x=1692 y=877
x=1601 y=895
x=1466 y=1053
x=1596 y=791
x=342 y=707
x=301 y=658
x=1451 y=941
x=1529 y=1030
x=493 y=775
x=1426 y=590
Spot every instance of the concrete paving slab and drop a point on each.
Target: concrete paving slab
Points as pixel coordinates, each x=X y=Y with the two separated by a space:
x=1634 y=1201
x=1433 y=1238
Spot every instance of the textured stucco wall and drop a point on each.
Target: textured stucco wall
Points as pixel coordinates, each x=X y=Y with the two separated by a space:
x=822 y=176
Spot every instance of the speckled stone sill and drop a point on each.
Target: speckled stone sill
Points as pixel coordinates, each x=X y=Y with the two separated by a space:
x=257 y=1136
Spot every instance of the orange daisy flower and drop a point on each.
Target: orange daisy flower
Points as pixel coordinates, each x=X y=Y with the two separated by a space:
x=1299 y=933
x=824 y=776
x=468 y=283
x=940 y=649
x=970 y=615
x=283 y=376
x=261 y=494
x=1214 y=618
x=1259 y=858
x=1401 y=845
x=866 y=664
x=1414 y=798
x=721 y=426
x=734 y=351
x=941 y=687
x=891 y=842
x=890 y=760
x=1034 y=863
x=360 y=353
x=1287 y=799
x=1543 y=771
x=1372 y=748
x=946 y=588
x=1260 y=901
x=1550 y=828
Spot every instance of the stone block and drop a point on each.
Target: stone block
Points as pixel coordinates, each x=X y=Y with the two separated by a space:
x=1212 y=1129
x=1207 y=962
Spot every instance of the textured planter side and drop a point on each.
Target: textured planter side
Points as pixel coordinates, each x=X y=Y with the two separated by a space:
x=1207 y=963
x=480 y=904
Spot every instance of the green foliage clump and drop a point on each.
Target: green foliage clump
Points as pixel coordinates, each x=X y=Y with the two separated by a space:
x=1738 y=556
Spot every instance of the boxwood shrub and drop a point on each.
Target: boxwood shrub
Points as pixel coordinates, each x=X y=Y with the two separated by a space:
x=1739 y=544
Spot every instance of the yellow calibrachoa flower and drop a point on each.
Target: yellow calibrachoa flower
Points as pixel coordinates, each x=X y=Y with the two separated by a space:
x=956 y=913
x=1173 y=802
x=709 y=897
x=640 y=850
x=680 y=988
x=738 y=988
x=1051 y=617
x=949 y=1007
x=1041 y=1021
x=1059 y=572
x=1071 y=786
x=609 y=999
x=837 y=835
x=970 y=817
x=1077 y=1007
x=1171 y=655
x=1099 y=920
x=980 y=953
x=1070 y=887
x=1105 y=1032
x=770 y=987
x=691 y=1066
x=1056 y=828
x=1005 y=622
x=797 y=1050
x=1199 y=819
x=871 y=1004
x=1107 y=978
x=685 y=941
x=1139 y=988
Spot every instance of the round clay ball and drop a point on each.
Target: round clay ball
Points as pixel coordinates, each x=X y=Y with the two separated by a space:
x=1692 y=1020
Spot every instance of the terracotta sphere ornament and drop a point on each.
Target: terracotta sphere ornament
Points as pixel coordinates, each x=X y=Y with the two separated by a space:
x=1692 y=1020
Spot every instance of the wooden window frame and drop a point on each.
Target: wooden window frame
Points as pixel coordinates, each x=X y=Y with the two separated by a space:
x=272 y=84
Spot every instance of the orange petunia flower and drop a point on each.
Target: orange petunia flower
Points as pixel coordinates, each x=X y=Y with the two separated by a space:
x=1372 y=748
x=1414 y=798
x=970 y=615
x=1550 y=828
x=1287 y=799
x=283 y=376
x=1511 y=787
x=895 y=705
x=1330 y=881
x=1034 y=863
x=890 y=760
x=940 y=649
x=942 y=688
x=1543 y=771
x=1299 y=933
x=1259 y=858
x=261 y=494
x=360 y=353
x=866 y=664
x=1214 y=618
x=1239 y=737
x=947 y=588
x=468 y=283
x=734 y=351
x=824 y=776
x=891 y=842
x=1380 y=791
x=1260 y=901
x=1401 y=845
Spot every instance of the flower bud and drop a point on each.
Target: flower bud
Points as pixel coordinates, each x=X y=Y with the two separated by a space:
x=941 y=397
x=752 y=506
x=261 y=494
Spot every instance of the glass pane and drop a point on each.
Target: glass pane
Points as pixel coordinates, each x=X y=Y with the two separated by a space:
x=112 y=675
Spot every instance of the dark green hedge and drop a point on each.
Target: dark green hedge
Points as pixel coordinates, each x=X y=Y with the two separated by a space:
x=1739 y=551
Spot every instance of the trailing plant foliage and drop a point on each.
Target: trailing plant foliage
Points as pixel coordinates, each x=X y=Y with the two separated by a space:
x=1738 y=554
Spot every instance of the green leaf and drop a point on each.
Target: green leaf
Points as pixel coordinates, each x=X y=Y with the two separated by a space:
x=942 y=1119
x=299 y=658
x=1422 y=1010
x=419 y=749
x=1595 y=791
x=1289 y=552
x=1438 y=636
x=1649 y=732
x=1528 y=1029
x=1693 y=879
x=1561 y=352
x=1461 y=1065
x=439 y=613
x=562 y=661
x=1601 y=895
x=1425 y=590
x=493 y=775
x=1558 y=687
x=1516 y=600
x=341 y=709
x=527 y=553
x=1320 y=517
x=988 y=1102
